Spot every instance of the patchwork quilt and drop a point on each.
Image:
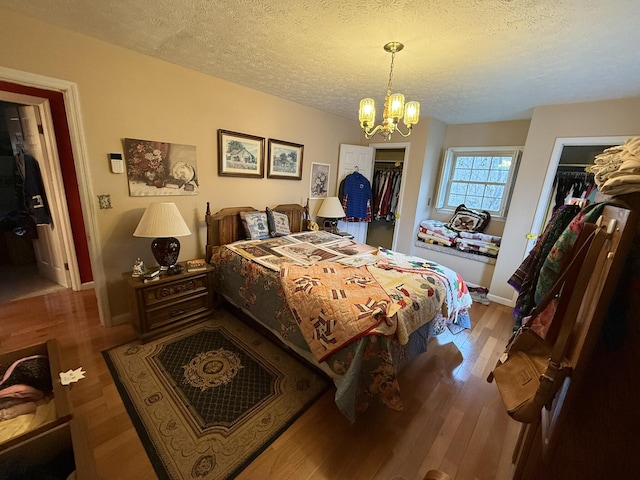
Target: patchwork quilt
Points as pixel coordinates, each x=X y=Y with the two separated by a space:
x=334 y=305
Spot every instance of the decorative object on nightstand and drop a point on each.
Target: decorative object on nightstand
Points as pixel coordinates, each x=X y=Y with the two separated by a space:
x=138 y=268
x=151 y=275
x=331 y=210
x=196 y=265
x=163 y=222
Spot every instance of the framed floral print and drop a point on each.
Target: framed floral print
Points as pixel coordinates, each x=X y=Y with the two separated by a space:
x=159 y=168
x=284 y=160
x=319 y=182
x=240 y=155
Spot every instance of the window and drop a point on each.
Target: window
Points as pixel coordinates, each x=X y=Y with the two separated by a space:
x=481 y=178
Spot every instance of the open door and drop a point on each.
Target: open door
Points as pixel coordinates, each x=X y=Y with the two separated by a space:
x=355 y=158
x=48 y=247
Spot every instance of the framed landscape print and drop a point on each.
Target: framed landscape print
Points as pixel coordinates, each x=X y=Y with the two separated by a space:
x=284 y=160
x=240 y=155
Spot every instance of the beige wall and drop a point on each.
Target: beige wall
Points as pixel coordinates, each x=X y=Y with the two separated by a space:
x=492 y=134
x=127 y=95
x=594 y=119
x=440 y=138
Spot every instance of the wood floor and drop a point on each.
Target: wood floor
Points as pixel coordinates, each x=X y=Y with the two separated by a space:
x=452 y=418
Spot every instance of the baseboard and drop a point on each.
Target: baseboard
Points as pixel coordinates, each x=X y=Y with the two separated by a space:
x=120 y=319
x=501 y=300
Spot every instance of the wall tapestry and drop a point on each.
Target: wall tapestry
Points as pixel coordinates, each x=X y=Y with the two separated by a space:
x=159 y=168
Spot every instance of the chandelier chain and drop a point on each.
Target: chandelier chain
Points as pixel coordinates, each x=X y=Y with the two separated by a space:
x=393 y=56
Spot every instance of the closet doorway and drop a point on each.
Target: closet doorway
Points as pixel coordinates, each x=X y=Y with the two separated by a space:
x=569 y=157
x=389 y=165
x=34 y=255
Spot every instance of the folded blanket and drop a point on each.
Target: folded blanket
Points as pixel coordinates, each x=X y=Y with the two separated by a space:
x=425 y=237
x=477 y=243
x=438 y=228
x=621 y=185
x=483 y=237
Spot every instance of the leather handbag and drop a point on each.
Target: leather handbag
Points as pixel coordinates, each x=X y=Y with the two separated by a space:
x=532 y=369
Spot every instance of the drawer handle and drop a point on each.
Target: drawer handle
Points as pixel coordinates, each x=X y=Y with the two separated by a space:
x=179 y=288
x=179 y=311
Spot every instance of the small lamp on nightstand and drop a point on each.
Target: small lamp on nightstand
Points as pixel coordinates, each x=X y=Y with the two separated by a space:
x=163 y=222
x=331 y=210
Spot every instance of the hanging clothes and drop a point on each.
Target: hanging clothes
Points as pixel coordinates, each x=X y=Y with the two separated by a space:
x=35 y=198
x=386 y=187
x=572 y=184
x=355 y=194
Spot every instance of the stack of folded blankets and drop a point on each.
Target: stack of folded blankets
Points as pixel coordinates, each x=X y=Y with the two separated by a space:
x=436 y=232
x=617 y=169
x=463 y=232
x=479 y=243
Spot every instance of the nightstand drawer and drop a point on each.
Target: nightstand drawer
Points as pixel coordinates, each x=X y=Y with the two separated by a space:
x=173 y=291
x=170 y=302
x=176 y=311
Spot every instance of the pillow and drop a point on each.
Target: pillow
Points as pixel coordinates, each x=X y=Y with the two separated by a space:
x=466 y=220
x=255 y=225
x=278 y=223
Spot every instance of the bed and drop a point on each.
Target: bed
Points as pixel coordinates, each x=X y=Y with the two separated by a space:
x=409 y=300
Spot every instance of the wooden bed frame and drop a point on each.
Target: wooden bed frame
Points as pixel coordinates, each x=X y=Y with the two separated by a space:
x=225 y=226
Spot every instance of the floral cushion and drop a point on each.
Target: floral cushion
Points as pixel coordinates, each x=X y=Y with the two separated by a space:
x=466 y=220
x=278 y=223
x=255 y=225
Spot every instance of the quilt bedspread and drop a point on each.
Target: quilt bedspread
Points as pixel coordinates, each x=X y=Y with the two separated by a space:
x=365 y=370
x=334 y=305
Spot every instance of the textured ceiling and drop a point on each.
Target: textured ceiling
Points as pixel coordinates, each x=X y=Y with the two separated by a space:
x=466 y=61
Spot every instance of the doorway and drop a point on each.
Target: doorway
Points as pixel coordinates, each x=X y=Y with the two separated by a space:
x=33 y=257
x=565 y=148
x=64 y=100
x=390 y=165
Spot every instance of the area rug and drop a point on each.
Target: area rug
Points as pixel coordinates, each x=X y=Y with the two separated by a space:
x=206 y=400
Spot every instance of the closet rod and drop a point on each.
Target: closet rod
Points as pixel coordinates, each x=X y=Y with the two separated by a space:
x=574 y=165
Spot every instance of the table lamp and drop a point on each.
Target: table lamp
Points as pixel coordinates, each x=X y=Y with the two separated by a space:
x=331 y=210
x=163 y=222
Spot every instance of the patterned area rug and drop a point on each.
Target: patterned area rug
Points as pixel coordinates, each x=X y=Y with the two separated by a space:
x=207 y=400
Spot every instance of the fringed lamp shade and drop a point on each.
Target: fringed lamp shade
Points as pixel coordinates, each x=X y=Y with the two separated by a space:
x=163 y=222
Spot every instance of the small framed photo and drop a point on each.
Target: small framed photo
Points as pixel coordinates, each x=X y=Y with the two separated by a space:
x=319 y=182
x=285 y=160
x=240 y=155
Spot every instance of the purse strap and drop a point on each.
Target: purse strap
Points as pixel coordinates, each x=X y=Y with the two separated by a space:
x=582 y=266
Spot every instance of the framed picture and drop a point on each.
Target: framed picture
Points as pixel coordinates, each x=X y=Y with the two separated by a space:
x=240 y=155
x=319 y=184
x=285 y=160
x=159 y=168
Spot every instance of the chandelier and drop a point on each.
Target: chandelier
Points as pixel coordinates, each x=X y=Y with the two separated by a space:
x=394 y=108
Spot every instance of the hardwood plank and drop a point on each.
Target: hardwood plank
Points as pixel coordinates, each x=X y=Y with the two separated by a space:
x=452 y=419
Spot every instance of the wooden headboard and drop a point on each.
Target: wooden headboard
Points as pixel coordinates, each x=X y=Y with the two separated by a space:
x=225 y=226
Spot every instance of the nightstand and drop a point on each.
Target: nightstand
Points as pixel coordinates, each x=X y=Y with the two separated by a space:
x=170 y=302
